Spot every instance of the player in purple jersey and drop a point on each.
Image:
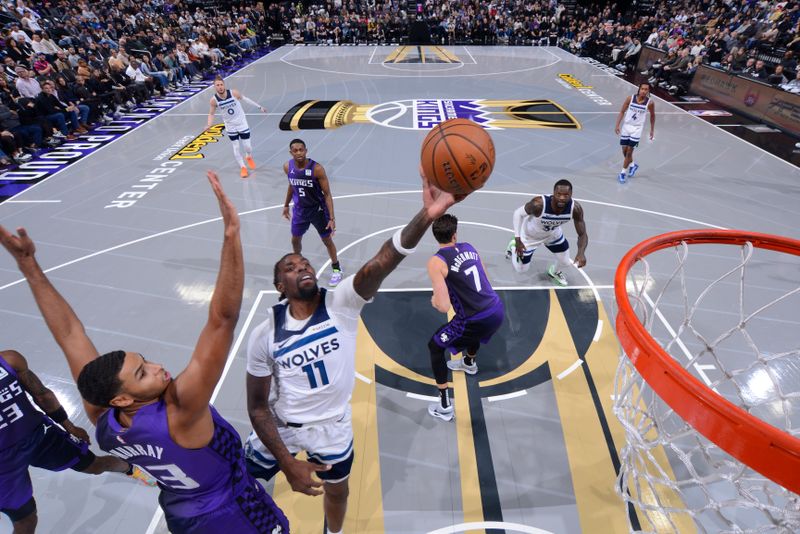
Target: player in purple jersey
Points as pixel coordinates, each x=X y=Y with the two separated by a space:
x=459 y=280
x=28 y=437
x=310 y=192
x=161 y=423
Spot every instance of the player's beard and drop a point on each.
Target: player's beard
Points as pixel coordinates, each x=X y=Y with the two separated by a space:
x=307 y=293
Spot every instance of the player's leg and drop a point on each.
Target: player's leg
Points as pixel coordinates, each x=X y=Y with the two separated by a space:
x=23 y=518
x=560 y=249
x=248 y=149
x=467 y=362
x=234 y=137
x=300 y=225
x=447 y=338
x=320 y=222
x=335 y=504
x=478 y=331
x=632 y=166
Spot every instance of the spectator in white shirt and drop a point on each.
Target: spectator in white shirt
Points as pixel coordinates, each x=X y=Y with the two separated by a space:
x=27 y=86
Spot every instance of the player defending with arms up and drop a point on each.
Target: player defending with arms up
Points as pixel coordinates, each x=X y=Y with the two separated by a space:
x=233 y=115
x=164 y=424
x=539 y=222
x=305 y=352
x=632 y=117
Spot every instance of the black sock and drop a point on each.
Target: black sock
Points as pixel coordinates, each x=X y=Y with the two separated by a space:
x=469 y=360
x=444 y=397
x=335 y=266
x=129 y=472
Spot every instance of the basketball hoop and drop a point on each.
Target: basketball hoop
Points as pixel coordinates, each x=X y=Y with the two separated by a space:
x=712 y=431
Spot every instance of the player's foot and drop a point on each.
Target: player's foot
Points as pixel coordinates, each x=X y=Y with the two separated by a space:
x=510 y=248
x=459 y=365
x=622 y=177
x=250 y=162
x=336 y=277
x=142 y=476
x=445 y=414
x=243 y=172
x=557 y=276
x=632 y=170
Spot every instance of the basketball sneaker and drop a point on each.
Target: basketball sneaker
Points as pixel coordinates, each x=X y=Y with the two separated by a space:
x=140 y=475
x=336 y=277
x=459 y=365
x=512 y=245
x=250 y=162
x=557 y=276
x=622 y=177
x=632 y=170
x=243 y=172
x=445 y=414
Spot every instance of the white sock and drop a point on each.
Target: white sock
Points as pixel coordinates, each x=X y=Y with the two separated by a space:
x=624 y=170
x=329 y=531
x=631 y=165
x=248 y=148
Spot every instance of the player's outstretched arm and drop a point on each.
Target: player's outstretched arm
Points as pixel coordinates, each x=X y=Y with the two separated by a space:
x=63 y=323
x=211 y=112
x=583 y=237
x=42 y=396
x=651 y=107
x=298 y=473
x=435 y=203
x=195 y=385
x=240 y=96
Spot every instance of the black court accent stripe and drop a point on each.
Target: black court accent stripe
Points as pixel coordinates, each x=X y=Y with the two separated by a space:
x=421 y=54
x=490 y=497
x=581 y=313
x=530 y=380
x=401 y=383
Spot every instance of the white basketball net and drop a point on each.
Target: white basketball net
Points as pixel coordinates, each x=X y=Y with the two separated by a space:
x=675 y=478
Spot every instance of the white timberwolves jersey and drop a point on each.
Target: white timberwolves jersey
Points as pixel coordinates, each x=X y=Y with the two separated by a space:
x=232 y=113
x=633 y=123
x=312 y=361
x=546 y=228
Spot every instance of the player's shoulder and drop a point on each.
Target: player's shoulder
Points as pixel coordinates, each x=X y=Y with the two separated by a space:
x=14 y=359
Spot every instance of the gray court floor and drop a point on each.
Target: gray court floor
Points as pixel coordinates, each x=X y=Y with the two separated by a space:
x=140 y=276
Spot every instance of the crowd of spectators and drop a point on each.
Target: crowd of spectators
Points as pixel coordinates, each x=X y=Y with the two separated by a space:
x=67 y=65
x=723 y=33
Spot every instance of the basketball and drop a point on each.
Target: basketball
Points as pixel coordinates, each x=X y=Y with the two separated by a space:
x=458 y=156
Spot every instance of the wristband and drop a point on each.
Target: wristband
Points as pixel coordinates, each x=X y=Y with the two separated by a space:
x=59 y=415
x=398 y=247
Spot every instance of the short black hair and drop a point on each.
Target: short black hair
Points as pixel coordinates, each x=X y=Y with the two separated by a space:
x=563 y=181
x=293 y=141
x=644 y=83
x=444 y=228
x=99 y=380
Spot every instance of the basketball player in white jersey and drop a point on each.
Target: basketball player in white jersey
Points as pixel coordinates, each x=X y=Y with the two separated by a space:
x=304 y=354
x=539 y=222
x=235 y=120
x=634 y=112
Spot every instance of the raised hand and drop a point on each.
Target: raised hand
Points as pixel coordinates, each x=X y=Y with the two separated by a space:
x=20 y=246
x=436 y=201
x=229 y=214
x=77 y=431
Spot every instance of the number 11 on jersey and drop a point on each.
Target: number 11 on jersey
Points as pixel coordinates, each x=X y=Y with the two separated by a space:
x=312 y=379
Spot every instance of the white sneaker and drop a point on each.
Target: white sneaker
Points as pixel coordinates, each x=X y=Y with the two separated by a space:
x=459 y=365
x=557 y=276
x=336 y=277
x=445 y=414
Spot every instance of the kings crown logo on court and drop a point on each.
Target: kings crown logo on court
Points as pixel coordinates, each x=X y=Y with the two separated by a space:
x=424 y=114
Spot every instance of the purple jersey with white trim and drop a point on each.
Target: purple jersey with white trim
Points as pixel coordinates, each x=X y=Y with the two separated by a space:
x=306 y=191
x=469 y=288
x=18 y=417
x=192 y=481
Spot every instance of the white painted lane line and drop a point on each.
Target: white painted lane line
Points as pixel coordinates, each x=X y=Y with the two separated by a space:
x=507 y=396
x=563 y=374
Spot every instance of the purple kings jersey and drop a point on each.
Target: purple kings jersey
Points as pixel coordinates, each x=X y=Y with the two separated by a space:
x=192 y=481
x=306 y=192
x=18 y=417
x=469 y=289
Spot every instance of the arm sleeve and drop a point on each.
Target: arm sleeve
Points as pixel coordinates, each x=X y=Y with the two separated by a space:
x=519 y=219
x=251 y=102
x=259 y=359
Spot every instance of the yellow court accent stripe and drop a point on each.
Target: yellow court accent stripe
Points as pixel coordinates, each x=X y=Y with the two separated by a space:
x=382 y=360
x=440 y=54
x=295 y=122
x=591 y=467
x=305 y=513
x=365 y=505
x=402 y=54
x=421 y=53
x=393 y=55
x=602 y=358
x=451 y=57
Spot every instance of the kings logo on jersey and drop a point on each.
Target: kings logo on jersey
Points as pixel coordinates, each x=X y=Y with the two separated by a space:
x=424 y=114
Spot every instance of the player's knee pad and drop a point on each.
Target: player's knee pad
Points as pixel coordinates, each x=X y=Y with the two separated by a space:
x=438 y=362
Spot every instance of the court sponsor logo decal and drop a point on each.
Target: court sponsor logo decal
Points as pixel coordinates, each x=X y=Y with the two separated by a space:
x=193 y=149
x=570 y=81
x=424 y=114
